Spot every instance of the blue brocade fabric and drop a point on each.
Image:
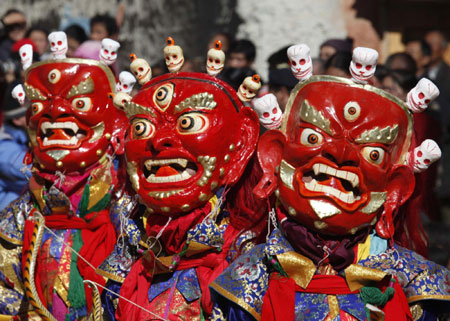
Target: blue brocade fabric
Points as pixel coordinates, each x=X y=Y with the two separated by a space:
x=185 y=281
x=243 y=284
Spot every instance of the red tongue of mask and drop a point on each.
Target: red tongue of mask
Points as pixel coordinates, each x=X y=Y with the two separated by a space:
x=166 y=171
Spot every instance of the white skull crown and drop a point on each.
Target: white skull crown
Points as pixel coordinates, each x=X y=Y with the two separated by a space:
x=249 y=87
x=364 y=64
x=26 y=56
x=421 y=95
x=108 y=53
x=300 y=61
x=424 y=155
x=126 y=82
x=140 y=68
x=58 y=44
x=173 y=55
x=268 y=110
x=18 y=94
x=215 y=59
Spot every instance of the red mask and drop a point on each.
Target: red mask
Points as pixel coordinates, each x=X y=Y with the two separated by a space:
x=189 y=135
x=341 y=153
x=71 y=122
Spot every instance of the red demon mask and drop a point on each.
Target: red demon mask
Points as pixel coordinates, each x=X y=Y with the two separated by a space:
x=339 y=156
x=71 y=122
x=189 y=135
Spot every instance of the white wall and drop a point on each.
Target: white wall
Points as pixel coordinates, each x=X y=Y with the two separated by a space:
x=272 y=24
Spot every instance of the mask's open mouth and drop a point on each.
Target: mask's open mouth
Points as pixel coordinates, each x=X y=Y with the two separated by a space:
x=65 y=134
x=300 y=73
x=169 y=170
x=340 y=185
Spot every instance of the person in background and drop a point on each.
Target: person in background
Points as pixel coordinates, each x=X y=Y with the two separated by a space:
x=439 y=73
x=420 y=51
x=13 y=147
x=103 y=26
x=401 y=61
x=339 y=64
x=332 y=46
x=15 y=24
x=39 y=36
x=75 y=37
x=318 y=66
x=224 y=37
x=239 y=62
x=281 y=80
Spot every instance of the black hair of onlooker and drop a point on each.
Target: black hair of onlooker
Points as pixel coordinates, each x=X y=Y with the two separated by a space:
x=109 y=22
x=404 y=78
x=280 y=74
x=381 y=71
x=243 y=46
x=36 y=28
x=340 y=60
x=408 y=61
x=235 y=76
x=11 y=11
x=8 y=28
x=425 y=47
x=76 y=32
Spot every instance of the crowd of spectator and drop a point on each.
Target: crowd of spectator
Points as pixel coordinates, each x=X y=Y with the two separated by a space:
x=422 y=57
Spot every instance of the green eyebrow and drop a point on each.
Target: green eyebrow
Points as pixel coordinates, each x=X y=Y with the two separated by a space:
x=386 y=135
x=132 y=109
x=33 y=93
x=198 y=101
x=84 y=87
x=314 y=117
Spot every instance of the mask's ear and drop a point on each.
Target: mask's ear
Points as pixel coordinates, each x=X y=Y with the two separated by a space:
x=269 y=150
x=249 y=137
x=400 y=188
x=118 y=142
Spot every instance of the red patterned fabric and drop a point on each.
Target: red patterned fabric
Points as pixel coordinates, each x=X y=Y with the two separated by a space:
x=98 y=236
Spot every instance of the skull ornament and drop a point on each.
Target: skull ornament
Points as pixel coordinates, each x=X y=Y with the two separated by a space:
x=424 y=155
x=363 y=64
x=268 y=110
x=421 y=95
x=108 y=52
x=18 y=94
x=58 y=44
x=141 y=69
x=300 y=61
x=71 y=123
x=120 y=99
x=341 y=162
x=173 y=55
x=249 y=87
x=26 y=56
x=189 y=135
x=126 y=82
x=215 y=59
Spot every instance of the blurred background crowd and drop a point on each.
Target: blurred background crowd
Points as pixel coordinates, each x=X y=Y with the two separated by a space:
x=411 y=36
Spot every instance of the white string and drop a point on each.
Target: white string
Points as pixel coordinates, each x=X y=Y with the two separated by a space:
x=95 y=269
x=272 y=219
x=61 y=177
x=25 y=170
x=123 y=298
